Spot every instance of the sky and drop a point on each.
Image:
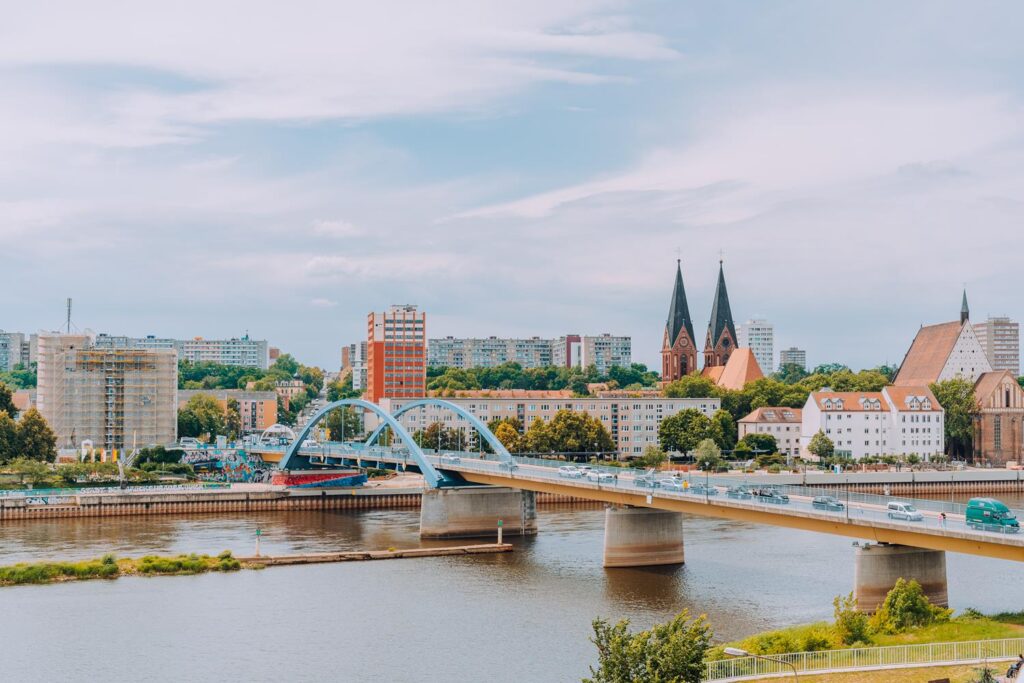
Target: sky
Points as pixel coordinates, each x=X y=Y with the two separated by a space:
x=516 y=169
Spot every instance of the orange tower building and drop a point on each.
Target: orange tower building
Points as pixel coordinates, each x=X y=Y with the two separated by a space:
x=396 y=354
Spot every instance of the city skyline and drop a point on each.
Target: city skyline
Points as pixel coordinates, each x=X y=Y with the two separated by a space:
x=557 y=153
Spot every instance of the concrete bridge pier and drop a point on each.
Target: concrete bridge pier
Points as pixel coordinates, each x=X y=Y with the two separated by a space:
x=879 y=566
x=642 y=537
x=474 y=511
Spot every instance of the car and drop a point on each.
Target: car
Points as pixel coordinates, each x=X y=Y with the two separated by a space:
x=904 y=511
x=740 y=492
x=770 y=494
x=601 y=477
x=647 y=480
x=827 y=503
x=702 y=489
x=585 y=469
x=989 y=513
x=570 y=472
x=188 y=442
x=672 y=484
x=449 y=459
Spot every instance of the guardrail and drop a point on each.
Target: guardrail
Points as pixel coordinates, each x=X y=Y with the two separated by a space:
x=91 y=490
x=863 y=659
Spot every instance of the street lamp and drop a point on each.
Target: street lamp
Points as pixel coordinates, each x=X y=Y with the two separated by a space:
x=736 y=652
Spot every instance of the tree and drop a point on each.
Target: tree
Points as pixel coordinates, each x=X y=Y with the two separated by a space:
x=233 y=419
x=8 y=438
x=851 y=625
x=765 y=443
x=707 y=454
x=572 y=432
x=436 y=436
x=7 y=401
x=906 y=607
x=956 y=396
x=790 y=373
x=509 y=437
x=672 y=652
x=285 y=365
x=538 y=438
x=651 y=457
x=725 y=426
x=341 y=389
x=692 y=386
x=821 y=446
x=202 y=416
x=36 y=441
x=36 y=471
x=682 y=432
x=344 y=424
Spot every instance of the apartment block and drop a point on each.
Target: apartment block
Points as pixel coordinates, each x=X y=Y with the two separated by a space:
x=759 y=337
x=1000 y=337
x=782 y=423
x=353 y=358
x=793 y=356
x=572 y=350
x=606 y=351
x=258 y=409
x=899 y=420
x=396 y=353
x=243 y=352
x=115 y=398
x=632 y=422
x=11 y=350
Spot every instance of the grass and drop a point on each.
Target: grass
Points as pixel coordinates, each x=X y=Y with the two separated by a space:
x=108 y=567
x=955 y=674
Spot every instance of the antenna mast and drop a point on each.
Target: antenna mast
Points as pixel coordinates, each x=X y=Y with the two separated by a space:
x=69 y=315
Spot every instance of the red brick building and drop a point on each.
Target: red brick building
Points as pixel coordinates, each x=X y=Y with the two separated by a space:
x=396 y=354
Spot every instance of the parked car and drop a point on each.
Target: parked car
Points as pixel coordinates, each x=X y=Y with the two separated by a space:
x=647 y=480
x=904 y=511
x=827 y=503
x=770 y=494
x=741 y=492
x=570 y=472
x=702 y=490
x=600 y=477
x=188 y=442
x=989 y=513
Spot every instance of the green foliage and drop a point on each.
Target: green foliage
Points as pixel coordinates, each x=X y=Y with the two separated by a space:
x=7 y=400
x=790 y=373
x=508 y=435
x=19 y=378
x=651 y=457
x=765 y=443
x=232 y=419
x=159 y=454
x=692 y=386
x=682 y=432
x=708 y=456
x=8 y=438
x=907 y=607
x=569 y=432
x=34 y=471
x=821 y=446
x=437 y=436
x=550 y=378
x=344 y=424
x=48 y=572
x=341 y=389
x=851 y=626
x=202 y=417
x=770 y=460
x=36 y=441
x=187 y=564
x=667 y=653
x=956 y=396
x=725 y=426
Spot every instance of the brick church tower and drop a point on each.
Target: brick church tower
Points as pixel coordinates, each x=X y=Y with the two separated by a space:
x=678 y=349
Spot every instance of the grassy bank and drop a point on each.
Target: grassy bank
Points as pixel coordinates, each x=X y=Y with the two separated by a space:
x=109 y=567
x=955 y=674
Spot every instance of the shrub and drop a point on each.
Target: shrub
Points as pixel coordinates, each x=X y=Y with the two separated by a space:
x=970 y=614
x=906 y=607
x=667 y=652
x=224 y=555
x=109 y=559
x=815 y=641
x=851 y=626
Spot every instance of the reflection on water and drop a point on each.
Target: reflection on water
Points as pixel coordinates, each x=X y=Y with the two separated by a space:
x=523 y=616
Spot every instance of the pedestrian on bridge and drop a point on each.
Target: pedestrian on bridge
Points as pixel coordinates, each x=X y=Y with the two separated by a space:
x=942 y=518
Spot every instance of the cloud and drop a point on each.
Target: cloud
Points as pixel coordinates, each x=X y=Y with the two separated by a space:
x=322 y=303
x=335 y=228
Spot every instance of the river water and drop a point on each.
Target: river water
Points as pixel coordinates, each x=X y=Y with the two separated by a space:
x=523 y=616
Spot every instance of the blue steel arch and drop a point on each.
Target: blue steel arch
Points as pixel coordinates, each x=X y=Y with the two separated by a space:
x=432 y=477
x=481 y=428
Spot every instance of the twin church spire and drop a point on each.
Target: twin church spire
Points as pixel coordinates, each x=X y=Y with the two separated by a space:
x=679 y=348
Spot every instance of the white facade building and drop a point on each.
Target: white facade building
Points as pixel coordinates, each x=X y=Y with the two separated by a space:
x=793 y=356
x=785 y=424
x=1000 y=337
x=603 y=351
x=353 y=358
x=11 y=344
x=899 y=421
x=759 y=337
x=244 y=352
x=632 y=422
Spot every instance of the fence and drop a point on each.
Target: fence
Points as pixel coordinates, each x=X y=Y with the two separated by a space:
x=863 y=659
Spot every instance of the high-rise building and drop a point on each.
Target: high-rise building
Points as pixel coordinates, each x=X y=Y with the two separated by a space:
x=115 y=398
x=721 y=338
x=678 y=345
x=567 y=351
x=353 y=358
x=759 y=337
x=396 y=353
x=793 y=356
x=572 y=350
x=244 y=352
x=1000 y=337
x=606 y=351
x=11 y=344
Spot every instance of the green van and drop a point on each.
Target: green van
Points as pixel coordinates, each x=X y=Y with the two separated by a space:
x=988 y=512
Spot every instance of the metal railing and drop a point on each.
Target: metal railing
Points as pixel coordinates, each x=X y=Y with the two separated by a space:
x=863 y=659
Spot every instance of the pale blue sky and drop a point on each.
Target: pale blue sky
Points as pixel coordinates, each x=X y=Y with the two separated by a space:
x=523 y=168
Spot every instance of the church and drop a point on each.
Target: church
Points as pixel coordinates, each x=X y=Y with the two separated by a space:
x=727 y=365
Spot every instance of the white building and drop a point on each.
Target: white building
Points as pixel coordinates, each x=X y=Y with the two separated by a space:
x=783 y=423
x=244 y=352
x=793 y=356
x=944 y=351
x=603 y=351
x=759 y=337
x=1000 y=337
x=632 y=422
x=899 y=420
x=606 y=351
x=10 y=350
x=353 y=357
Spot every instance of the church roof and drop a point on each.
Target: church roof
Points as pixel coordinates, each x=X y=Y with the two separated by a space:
x=678 y=311
x=965 y=311
x=928 y=354
x=988 y=382
x=740 y=369
x=721 y=314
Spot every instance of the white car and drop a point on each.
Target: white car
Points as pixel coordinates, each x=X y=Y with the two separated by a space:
x=570 y=472
x=601 y=477
x=904 y=511
x=585 y=469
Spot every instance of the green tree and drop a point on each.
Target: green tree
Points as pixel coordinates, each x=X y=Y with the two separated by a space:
x=790 y=373
x=20 y=377
x=538 y=438
x=906 y=607
x=692 y=386
x=285 y=365
x=682 y=432
x=341 y=389
x=35 y=471
x=667 y=653
x=652 y=456
x=572 y=432
x=233 y=419
x=725 y=427
x=8 y=438
x=509 y=437
x=7 y=400
x=956 y=396
x=36 y=441
x=707 y=455
x=765 y=443
x=821 y=446
x=344 y=424
x=202 y=417
x=851 y=625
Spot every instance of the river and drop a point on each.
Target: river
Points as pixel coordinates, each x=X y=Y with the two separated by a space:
x=523 y=616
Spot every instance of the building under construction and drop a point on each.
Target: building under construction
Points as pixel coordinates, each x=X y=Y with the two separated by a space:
x=115 y=398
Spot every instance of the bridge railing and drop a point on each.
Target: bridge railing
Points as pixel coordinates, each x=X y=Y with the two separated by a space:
x=863 y=659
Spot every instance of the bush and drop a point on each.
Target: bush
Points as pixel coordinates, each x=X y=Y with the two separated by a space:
x=667 y=652
x=970 y=614
x=47 y=572
x=851 y=626
x=907 y=607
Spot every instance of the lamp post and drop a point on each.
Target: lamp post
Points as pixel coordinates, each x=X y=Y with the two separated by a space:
x=736 y=652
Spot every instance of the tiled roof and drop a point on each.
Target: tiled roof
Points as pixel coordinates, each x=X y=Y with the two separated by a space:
x=990 y=381
x=901 y=394
x=928 y=354
x=740 y=369
x=503 y=393
x=850 y=401
x=714 y=372
x=773 y=414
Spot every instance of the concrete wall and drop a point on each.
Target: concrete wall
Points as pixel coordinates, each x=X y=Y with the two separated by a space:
x=474 y=511
x=642 y=537
x=880 y=566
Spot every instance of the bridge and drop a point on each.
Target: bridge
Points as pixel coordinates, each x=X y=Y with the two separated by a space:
x=468 y=492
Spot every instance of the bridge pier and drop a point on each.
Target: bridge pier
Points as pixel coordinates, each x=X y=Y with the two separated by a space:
x=642 y=537
x=474 y=511
x=879 y=566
